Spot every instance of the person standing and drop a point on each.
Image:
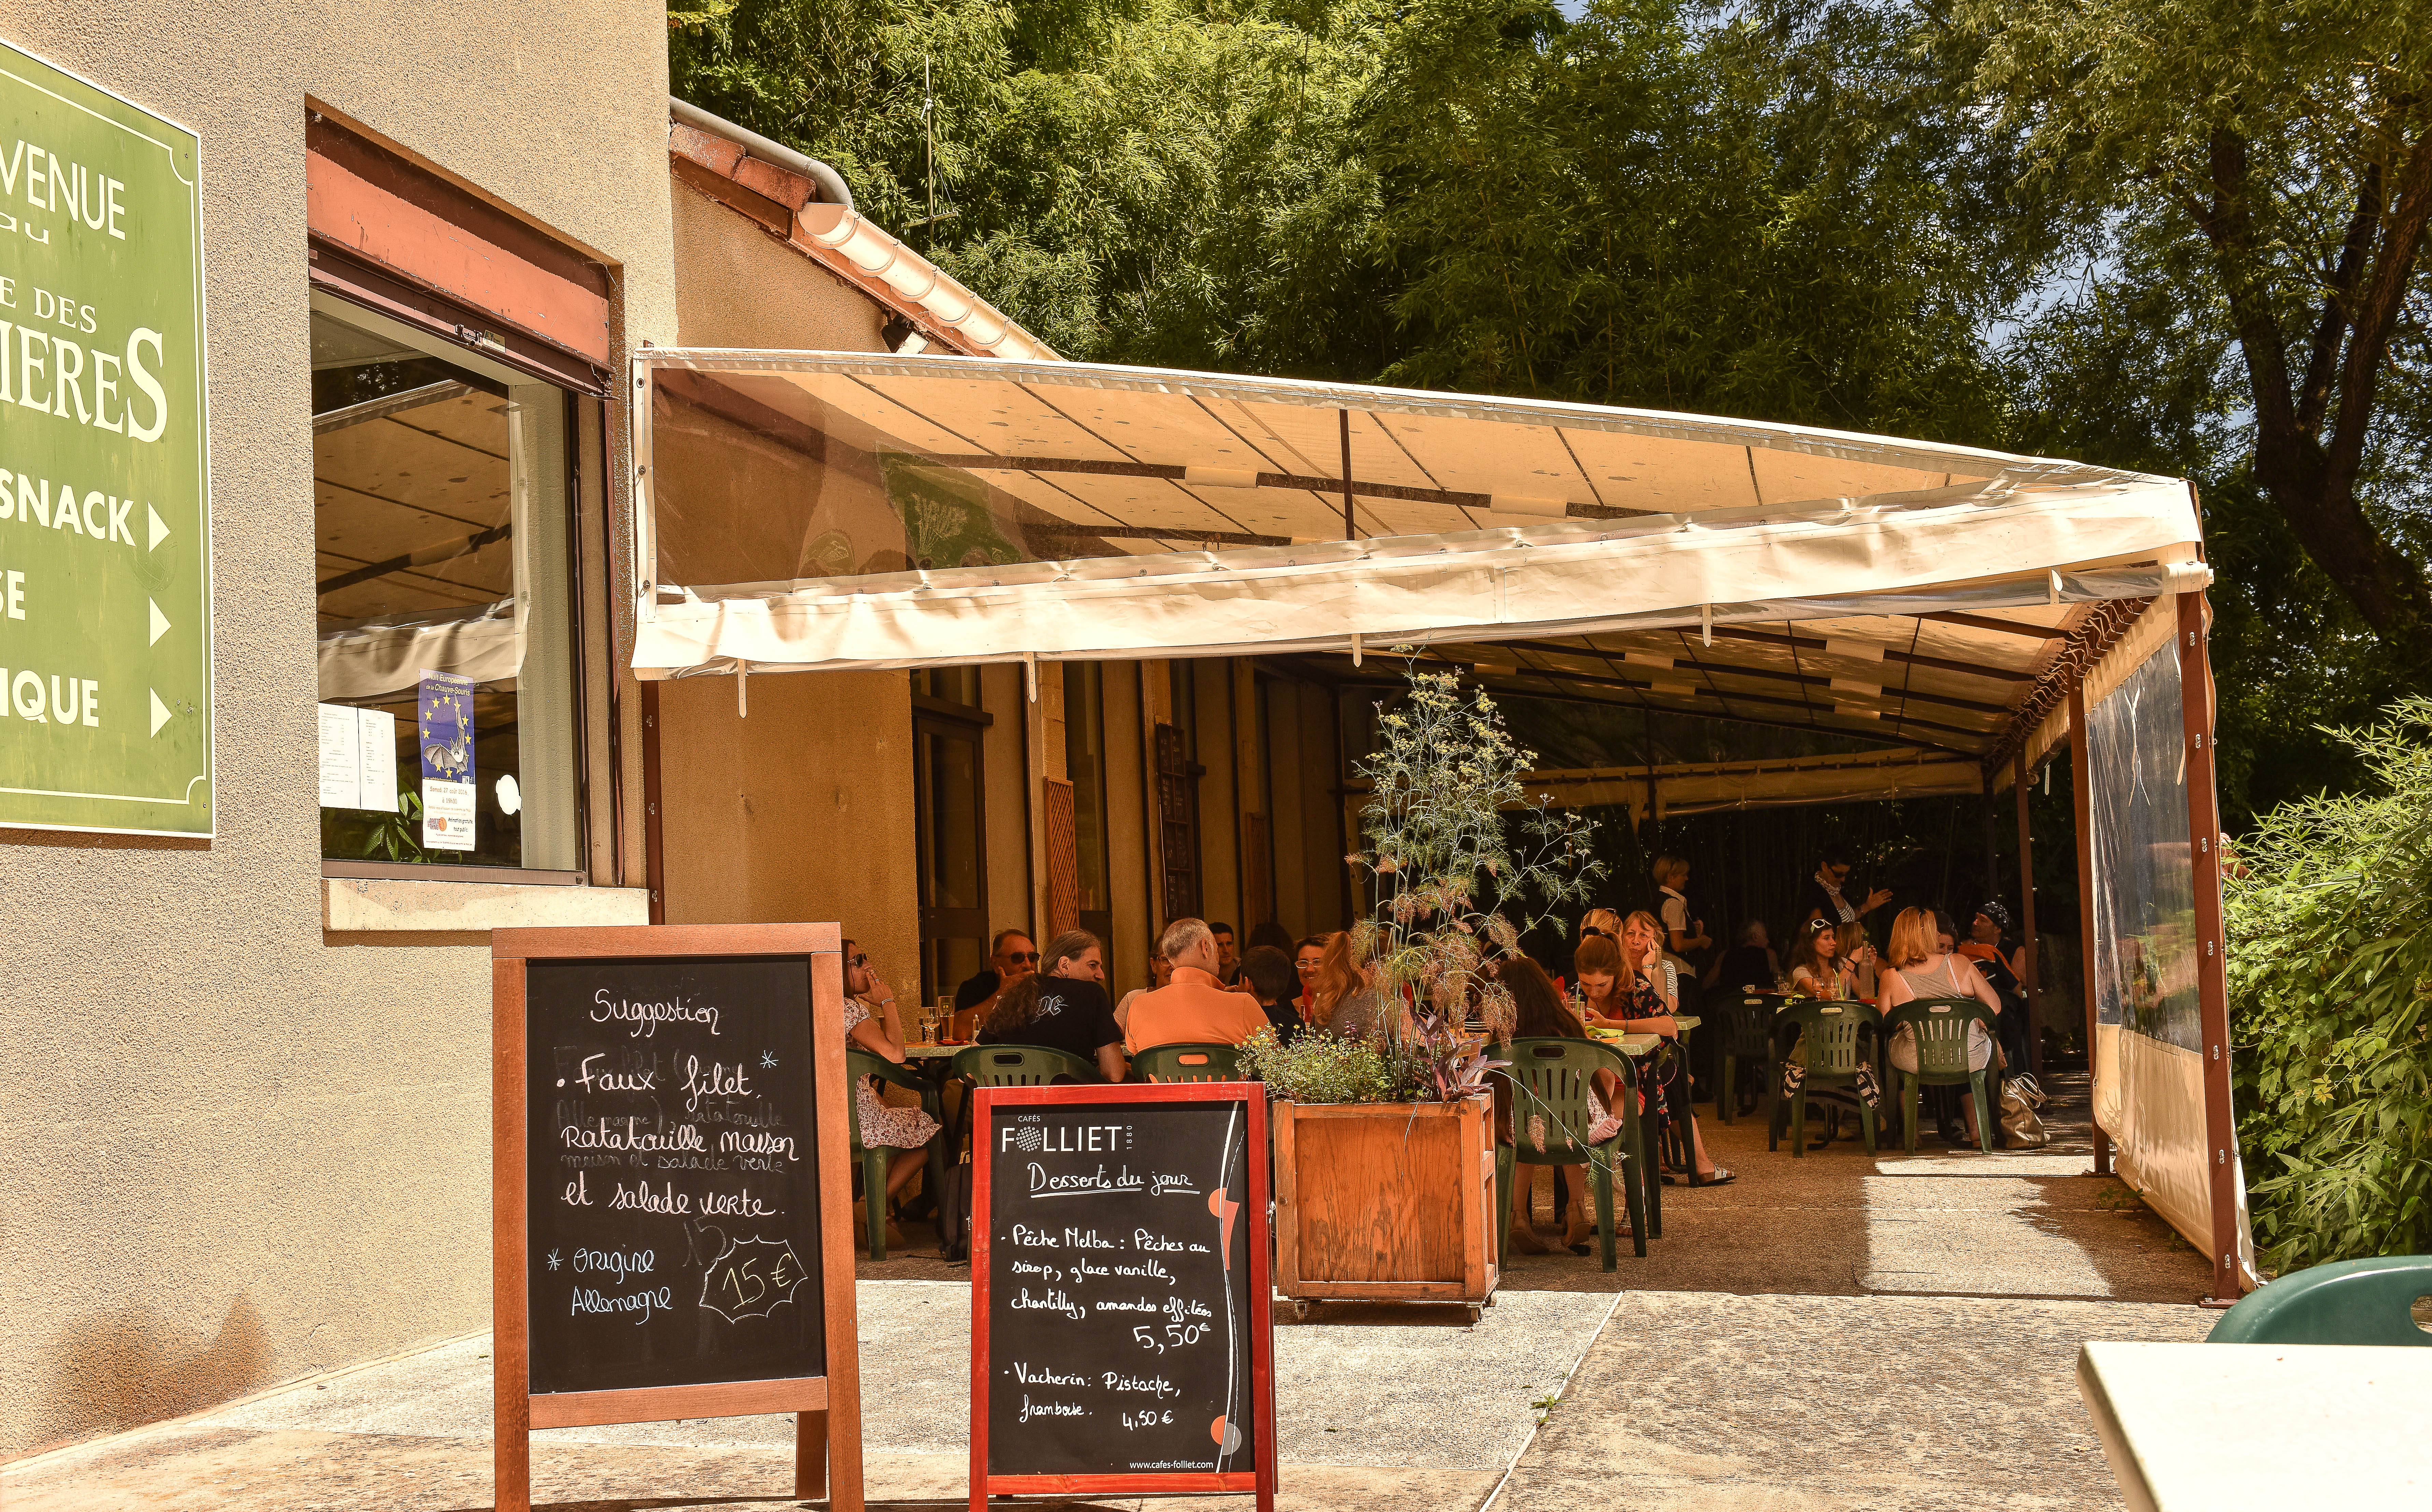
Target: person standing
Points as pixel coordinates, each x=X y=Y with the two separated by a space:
x=1684 y=934
x=1827 y=895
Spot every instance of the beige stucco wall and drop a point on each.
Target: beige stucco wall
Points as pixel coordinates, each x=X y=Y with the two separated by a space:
x=237 y=1150
x=798 y=810
x=739 y=286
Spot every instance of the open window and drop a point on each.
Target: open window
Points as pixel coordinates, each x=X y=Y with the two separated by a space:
x=448 y=717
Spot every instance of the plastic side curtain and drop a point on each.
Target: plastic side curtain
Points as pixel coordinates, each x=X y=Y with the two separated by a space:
x=2149 y=1059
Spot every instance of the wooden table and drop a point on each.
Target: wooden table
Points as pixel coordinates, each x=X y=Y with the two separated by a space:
x=2189 y=1426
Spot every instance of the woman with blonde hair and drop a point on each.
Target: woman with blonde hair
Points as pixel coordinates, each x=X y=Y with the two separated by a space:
x=1345 y=1002
x=1922 y=966
x=1860 y=967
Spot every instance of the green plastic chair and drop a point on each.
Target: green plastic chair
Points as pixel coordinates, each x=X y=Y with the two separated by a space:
x=1549 y=1080
x=1745 y=1026
x=1831 y=1033
x=1941 y=1028
x=1021 y=1066
x=1187 y=1063
x=858 y=1064
x=2349 y=1302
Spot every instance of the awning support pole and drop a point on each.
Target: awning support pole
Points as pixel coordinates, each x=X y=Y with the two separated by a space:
x=742 y=687
x=2021 y=782
x=1354 y=647
x=2212 y=945
x=1706 y=624
x=1350 y=530
x=2082 y=791
x=1030 y=673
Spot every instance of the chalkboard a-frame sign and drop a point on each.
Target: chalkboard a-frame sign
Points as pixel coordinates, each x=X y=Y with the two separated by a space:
x=1122 y=1341
x=671 y=1225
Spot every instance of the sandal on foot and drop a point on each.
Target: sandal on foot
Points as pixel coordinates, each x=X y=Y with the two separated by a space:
x=1720 y=1176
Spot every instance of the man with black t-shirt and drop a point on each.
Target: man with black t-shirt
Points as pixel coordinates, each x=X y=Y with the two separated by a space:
x=1011 y=957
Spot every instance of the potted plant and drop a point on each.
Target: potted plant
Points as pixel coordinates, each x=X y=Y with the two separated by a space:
x=1385 y=1148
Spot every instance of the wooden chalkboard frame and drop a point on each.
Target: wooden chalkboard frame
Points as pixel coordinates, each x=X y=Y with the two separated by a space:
x=1261 y=1480
x=827 y=1409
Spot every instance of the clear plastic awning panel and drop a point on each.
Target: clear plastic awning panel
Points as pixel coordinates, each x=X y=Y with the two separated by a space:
x=820 y=510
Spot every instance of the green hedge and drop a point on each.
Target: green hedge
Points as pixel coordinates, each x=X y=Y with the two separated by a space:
x=2330 y=991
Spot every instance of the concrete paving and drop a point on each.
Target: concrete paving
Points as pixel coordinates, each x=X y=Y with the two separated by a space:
x=1832 y=1331
x=1403 y=1403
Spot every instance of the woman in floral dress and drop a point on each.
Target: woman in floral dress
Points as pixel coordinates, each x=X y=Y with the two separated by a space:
x=870 y=1024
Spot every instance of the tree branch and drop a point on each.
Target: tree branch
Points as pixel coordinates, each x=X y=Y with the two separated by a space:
x=2376 y=314
x=2228 y=222
x=2314 y=401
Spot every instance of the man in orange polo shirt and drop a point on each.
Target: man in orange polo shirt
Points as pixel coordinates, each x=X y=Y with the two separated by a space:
x=1195 y=1008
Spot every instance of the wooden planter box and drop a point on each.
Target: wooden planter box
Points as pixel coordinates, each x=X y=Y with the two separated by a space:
x=1388 y=1201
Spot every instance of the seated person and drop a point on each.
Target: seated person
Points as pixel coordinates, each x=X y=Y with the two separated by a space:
x=1194 y=1009
x=1062 y=1006
x=1348 y=1003
x=1816 y=966
x=1539 y=1013
x=1011 y=957
x=906 y=1131
x=1748 y=967
x=1629 y=987
x=1308 y=956
x=1921 y=965
x=1268 y=975
x=1229 y=963
x=1160 y=972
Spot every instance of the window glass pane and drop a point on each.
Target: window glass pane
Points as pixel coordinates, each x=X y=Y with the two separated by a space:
x=446 y=608
x=950 y=684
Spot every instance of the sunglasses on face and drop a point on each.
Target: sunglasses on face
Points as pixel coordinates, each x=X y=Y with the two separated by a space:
x=1021 y=957
x=860 y=959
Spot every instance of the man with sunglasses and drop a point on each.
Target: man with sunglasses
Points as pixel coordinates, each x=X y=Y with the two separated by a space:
x=1011 y=957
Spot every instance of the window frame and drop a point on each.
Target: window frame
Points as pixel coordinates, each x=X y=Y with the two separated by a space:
x=337 y=305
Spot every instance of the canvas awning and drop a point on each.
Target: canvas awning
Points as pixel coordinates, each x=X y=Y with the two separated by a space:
x=803 y=511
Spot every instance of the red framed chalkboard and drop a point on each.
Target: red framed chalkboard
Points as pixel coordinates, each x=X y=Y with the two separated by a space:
x=671 y=1224
x=1122 y=1340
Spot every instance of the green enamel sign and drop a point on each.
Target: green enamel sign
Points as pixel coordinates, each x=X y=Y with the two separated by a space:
x=104 y=514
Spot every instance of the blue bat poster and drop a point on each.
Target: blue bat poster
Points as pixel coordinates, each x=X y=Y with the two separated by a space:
x=445 y=733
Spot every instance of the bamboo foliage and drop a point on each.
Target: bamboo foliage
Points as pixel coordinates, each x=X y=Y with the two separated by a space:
x=2330 y=976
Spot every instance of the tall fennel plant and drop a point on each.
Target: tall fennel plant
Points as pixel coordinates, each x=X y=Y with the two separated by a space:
x=1463 y=861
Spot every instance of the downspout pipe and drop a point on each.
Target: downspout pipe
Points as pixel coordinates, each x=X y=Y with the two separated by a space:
x=832 y=185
